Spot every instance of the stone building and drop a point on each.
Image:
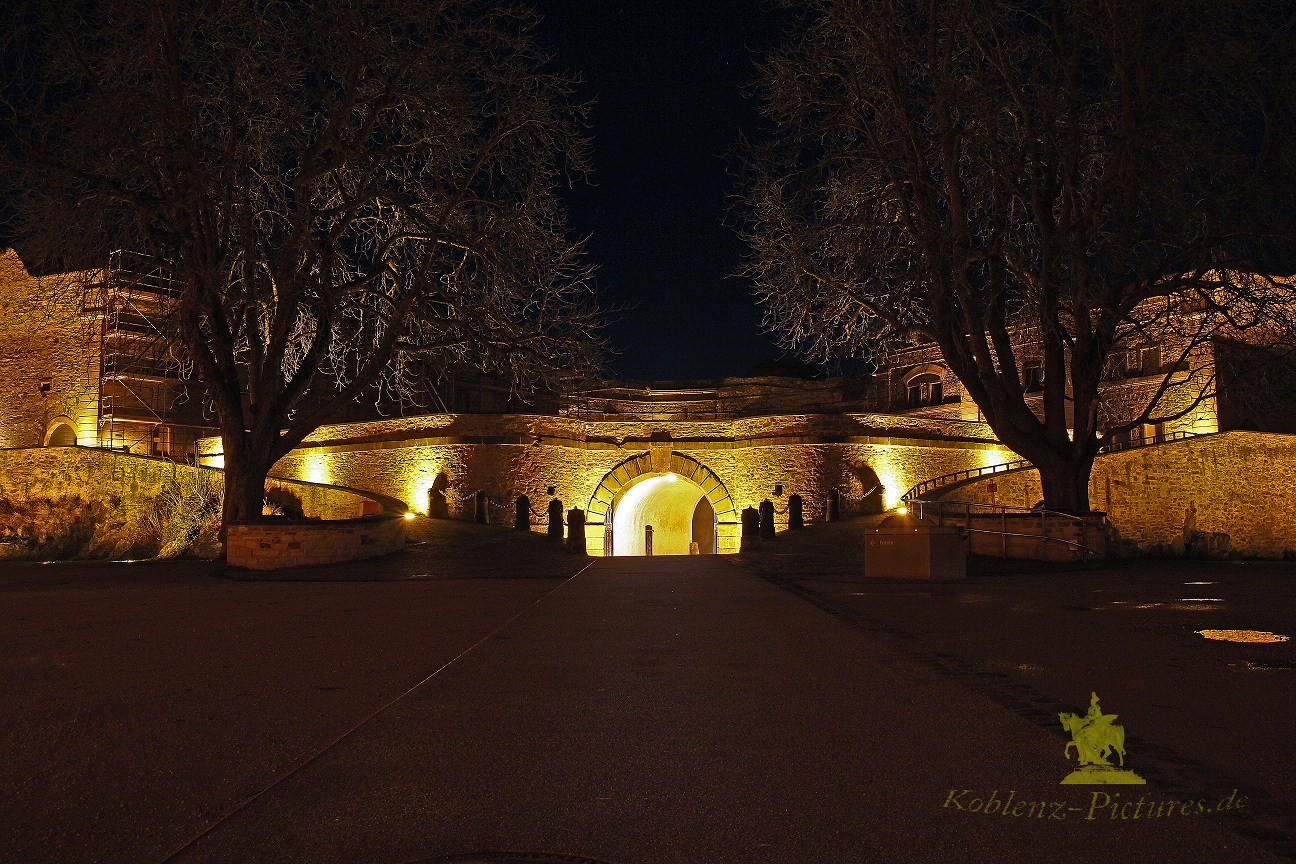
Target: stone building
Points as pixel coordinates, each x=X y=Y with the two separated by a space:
x=85 y=359
x=684 y=457
x=48 y=360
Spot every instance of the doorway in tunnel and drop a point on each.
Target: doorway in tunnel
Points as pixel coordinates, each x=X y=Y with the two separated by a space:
x=677 y=509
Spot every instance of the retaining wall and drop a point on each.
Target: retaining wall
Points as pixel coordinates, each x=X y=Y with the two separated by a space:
x=1170 y=495
x=295 y=543
x=120 y=515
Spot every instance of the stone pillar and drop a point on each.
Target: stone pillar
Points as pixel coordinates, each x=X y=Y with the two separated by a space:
x=522 y=518
x=481 y=512
x=556 y=520
x=750 y=530
x=576 y=531
x=647 y=539
x=834 y=506
x=767 y=519
x=796 y=519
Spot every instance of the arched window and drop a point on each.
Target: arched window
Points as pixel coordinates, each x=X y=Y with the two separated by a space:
x=925 y=389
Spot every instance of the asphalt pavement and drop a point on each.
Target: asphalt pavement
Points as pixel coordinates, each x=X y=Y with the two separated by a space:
x=485 y=697
x=685 y=710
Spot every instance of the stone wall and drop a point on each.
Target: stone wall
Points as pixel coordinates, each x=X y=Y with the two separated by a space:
x=128 y=499
x=47 y=358
x=1242 y=484
x=511 y=455
x=297 y=543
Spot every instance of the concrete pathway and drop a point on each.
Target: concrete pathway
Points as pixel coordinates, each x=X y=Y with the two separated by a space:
x=684 y=710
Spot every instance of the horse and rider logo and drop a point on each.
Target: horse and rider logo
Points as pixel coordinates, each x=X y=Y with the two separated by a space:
x=1095 y=737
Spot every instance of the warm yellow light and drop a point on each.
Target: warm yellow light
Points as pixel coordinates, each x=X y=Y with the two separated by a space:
x=316 y=470
x=1243 y=635
x=902 y=510
x=666 y=502
x=409 y=515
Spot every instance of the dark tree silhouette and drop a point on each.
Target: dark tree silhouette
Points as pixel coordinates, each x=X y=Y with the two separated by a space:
x=1054 y=183
x=344 y=194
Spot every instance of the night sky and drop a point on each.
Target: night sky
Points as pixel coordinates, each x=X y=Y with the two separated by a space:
x=668 y=79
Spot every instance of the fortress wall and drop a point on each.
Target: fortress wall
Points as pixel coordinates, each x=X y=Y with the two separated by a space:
x=576 y=468
x=1238 y=483
x=43 y=341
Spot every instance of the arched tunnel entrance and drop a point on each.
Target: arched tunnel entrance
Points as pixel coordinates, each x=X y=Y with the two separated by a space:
x=681 y=499
x=675 y=507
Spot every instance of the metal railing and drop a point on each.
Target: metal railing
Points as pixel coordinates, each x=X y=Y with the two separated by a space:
x=958 y=476
x=922 y=508
x=1160 y=438
x=953 y=477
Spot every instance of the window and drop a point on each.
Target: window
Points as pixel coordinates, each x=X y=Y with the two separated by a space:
x=924 y=389
x=1150 y=360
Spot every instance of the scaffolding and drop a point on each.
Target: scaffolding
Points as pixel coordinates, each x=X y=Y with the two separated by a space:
x=147 y=403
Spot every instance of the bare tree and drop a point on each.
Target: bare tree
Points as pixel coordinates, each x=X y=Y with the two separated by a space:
x=344 y=194
x=1069 y=179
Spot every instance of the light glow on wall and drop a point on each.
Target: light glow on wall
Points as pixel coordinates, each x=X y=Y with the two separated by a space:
x=418 y=488
x=317 y=469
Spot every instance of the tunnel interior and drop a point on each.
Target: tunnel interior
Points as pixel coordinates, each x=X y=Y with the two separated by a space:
x=674 y=506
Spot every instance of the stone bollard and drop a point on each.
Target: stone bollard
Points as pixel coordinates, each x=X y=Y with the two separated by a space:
x=481 y=512
x=767 y=519
x=576 y=531
x=648 y=540
x=834 y=506
x=796 y=519
x=555 y=520
x=522 y=518
x=750 y=530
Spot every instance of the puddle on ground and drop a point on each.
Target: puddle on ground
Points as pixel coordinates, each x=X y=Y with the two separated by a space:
x=1242 y=635
x=1199 y=583
x=1185 y=604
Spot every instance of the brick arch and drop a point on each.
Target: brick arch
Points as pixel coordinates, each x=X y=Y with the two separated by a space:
x=925 y=369
x=685 y=466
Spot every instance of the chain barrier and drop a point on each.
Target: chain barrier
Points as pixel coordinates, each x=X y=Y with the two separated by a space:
x=456 y=499
x=845 y=496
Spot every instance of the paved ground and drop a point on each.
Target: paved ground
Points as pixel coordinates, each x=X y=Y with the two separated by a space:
x=141 y=702
x=665 y=710
x=1038 y=639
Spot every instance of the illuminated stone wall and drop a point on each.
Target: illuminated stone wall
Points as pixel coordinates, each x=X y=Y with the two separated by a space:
x=1238 y=483
x=129 y=486
x=47 y=371
x=510 y=455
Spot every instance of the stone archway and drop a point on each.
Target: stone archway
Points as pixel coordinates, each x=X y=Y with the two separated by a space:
x=61 y=434
x=658 y=468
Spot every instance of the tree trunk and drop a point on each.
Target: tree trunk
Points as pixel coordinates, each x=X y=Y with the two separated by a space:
x=244 y=491
x=1065 y=484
